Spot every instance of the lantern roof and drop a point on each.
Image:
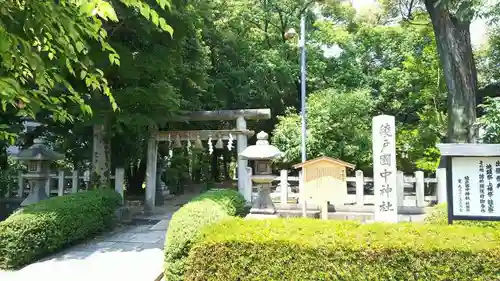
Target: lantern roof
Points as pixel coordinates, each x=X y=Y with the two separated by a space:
x=261 y=150
x=38 y=151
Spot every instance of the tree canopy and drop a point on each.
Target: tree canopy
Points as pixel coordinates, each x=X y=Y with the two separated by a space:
x=117 y=68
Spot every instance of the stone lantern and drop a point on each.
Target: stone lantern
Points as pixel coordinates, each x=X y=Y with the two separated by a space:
x=38 y=159
x=262 y=153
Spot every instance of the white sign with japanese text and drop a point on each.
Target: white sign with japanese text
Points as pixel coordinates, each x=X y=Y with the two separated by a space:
x=384 y=168
x=476 y=186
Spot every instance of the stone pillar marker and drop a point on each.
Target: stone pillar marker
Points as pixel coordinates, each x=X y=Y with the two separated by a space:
x=241 y=144
x=284 y=187
x=384 y=168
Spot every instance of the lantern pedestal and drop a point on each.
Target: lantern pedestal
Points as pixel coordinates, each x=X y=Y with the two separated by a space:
x=263 y=204
x=37 y=194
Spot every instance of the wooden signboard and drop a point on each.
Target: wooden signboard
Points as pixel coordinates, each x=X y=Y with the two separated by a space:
x=324 y=180
x=473 y=181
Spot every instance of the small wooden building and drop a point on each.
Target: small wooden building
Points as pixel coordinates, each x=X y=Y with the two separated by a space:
x=324 y=179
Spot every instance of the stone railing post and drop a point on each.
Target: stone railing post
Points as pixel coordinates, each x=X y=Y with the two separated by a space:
x=360 y=183
x=400 y=188
x=60 y=183
x=74 y=181
x=304 y=208
x=420 y=188
x=284 y=186
x=441 y=185
x=324 y=210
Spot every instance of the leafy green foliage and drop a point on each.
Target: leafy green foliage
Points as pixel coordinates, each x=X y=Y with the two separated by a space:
x=186 y=223
x=489 y=123
x=9 y=176
x=339 y=125
x=47 y=46
x=439 y=216
x=398 y=66
x=52 y=224
x=231 y=201
x=304 y=249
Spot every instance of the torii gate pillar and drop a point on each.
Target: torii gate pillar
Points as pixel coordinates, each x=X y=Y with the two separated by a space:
x=241 y=144
x=149 y=202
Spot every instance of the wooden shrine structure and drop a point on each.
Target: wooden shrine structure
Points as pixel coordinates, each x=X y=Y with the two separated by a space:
x=240 y=132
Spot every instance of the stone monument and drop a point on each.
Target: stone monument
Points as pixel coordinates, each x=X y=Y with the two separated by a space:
x=262 y=153
x=384 y=168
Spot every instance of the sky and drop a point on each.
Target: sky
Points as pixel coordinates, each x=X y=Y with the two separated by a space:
x=478 y=27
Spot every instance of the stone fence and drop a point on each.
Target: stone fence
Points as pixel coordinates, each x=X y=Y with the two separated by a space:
x=413 y=190
x=65 y=182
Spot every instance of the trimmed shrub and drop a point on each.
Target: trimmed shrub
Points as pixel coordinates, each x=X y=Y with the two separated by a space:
x=302 y=249
x=184 y=228
x=230 y=200
x=52 y=224
x=439 y=215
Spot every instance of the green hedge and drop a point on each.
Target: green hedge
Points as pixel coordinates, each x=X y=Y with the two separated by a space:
x=51 y=224
x=303 y=249
x=184 y=228
x=439 y=215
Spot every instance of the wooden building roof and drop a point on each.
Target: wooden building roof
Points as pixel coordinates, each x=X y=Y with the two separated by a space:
x=327 y=159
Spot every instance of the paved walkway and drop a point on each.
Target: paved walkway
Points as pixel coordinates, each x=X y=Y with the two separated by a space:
x=130 y=253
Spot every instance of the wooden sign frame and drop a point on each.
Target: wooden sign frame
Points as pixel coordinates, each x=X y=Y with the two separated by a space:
x=450 y=151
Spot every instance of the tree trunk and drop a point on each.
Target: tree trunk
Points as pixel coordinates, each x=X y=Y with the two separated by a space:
x=455 y=52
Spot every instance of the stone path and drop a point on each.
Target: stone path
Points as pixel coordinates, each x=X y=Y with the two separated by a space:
x=131 y=253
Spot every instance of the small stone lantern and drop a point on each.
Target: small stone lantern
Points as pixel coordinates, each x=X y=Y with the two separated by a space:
x=38 y=159
x=262 y=153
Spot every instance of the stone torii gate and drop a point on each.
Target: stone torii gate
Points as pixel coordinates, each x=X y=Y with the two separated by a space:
x=241 y=133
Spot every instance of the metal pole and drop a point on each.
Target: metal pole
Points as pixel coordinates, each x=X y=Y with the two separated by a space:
x=303 y=82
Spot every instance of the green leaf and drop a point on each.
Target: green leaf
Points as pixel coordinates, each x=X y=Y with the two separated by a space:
x=70 y=67
x=145 y=10
x=154 y=18
x=83 y=73
x=106 y=11
x=165 y=27
x=79 y=46
x=164 y=4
